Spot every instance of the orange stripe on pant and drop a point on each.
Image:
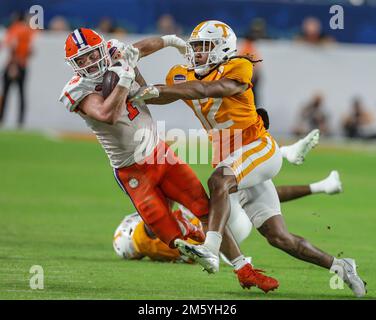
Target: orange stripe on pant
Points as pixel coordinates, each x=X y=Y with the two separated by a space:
x=257 y=162
x=249 y=153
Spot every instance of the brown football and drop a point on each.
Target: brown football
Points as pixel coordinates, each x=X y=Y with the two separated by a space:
x=110 y=80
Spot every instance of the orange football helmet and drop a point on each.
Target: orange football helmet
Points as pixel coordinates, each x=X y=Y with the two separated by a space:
x=82 y=41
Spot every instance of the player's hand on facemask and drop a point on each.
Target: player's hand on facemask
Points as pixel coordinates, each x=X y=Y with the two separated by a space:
x=132 y=55
x=172 y=40
x=145 y=93
x=125 y=72
x=118 y=50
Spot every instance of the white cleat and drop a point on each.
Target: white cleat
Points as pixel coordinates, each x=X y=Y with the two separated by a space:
x=332 y=184
x=199 y=253
x=351 y=278
x=297 y=152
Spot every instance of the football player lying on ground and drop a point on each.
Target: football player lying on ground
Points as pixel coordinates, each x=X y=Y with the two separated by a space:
x=217 y=85
x=134 y=240
x=146 y=169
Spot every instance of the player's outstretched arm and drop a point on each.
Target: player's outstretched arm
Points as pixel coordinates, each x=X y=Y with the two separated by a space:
x=191 y=90
x=133 y=53
x=151 y=45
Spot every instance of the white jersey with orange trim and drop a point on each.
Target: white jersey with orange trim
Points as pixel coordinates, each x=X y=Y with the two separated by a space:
x=131 y=139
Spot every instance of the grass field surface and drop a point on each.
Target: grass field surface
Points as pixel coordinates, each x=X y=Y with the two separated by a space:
x=60 y=205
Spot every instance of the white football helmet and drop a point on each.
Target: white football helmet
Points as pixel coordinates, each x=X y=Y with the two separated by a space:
x=217 y=39
x=122 y=242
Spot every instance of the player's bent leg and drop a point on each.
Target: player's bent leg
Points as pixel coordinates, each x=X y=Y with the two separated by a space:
x=275 y=231
x=207 y=255
x=181 y=184
x=245 y=167
x=221 y=183
x=330 y=185
x=239 y=223
x=150 y=203
x=248 y=166
x=288 y=193
x=156 y=213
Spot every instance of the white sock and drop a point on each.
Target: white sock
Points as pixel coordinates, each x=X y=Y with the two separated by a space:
x=239 y=262
x=317 y=187
x=284 y=151
x=213 y=241
x=336 y=262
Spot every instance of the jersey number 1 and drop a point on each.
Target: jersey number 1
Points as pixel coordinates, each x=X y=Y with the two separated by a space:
x=133 y=112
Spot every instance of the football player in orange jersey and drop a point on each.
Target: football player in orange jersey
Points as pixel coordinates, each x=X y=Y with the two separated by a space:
x=217 y=86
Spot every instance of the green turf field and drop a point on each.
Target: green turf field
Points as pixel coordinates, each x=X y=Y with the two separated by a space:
x=60 y=205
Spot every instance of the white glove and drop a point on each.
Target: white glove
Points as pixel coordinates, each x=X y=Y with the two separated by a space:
x=118 y=50
x=125 y=72
x=131 y=55
x=145 y=93
x=172 y=40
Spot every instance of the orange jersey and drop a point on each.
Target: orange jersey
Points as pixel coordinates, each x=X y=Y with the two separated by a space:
x=19 y=37
x=155 y=249
x=236 y=113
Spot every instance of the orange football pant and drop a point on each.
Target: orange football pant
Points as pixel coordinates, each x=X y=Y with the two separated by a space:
x=151 y=185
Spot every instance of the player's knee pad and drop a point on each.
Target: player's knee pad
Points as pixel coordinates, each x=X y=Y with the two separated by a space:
x=239 y=223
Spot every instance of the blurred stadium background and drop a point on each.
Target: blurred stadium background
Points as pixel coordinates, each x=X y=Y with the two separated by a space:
x=59 y=203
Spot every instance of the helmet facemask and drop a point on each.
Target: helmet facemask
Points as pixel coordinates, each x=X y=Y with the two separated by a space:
x=102 y=63
x=212 y=47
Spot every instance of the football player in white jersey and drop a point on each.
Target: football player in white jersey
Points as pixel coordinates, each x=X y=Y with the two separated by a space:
x=144 y=167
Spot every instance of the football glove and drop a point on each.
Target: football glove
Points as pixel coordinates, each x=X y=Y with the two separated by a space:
x=118 y=50
x=145 y=93
x=125 y=72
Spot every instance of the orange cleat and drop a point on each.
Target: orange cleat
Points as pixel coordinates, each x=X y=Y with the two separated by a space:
x=249 y=277
x=189 y=230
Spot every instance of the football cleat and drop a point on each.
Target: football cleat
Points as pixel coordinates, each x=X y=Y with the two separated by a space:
x=297 y=152
x=199 y=253
x=351 y=278
x=188 y=229
x=332 y=184
x=249 y=277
